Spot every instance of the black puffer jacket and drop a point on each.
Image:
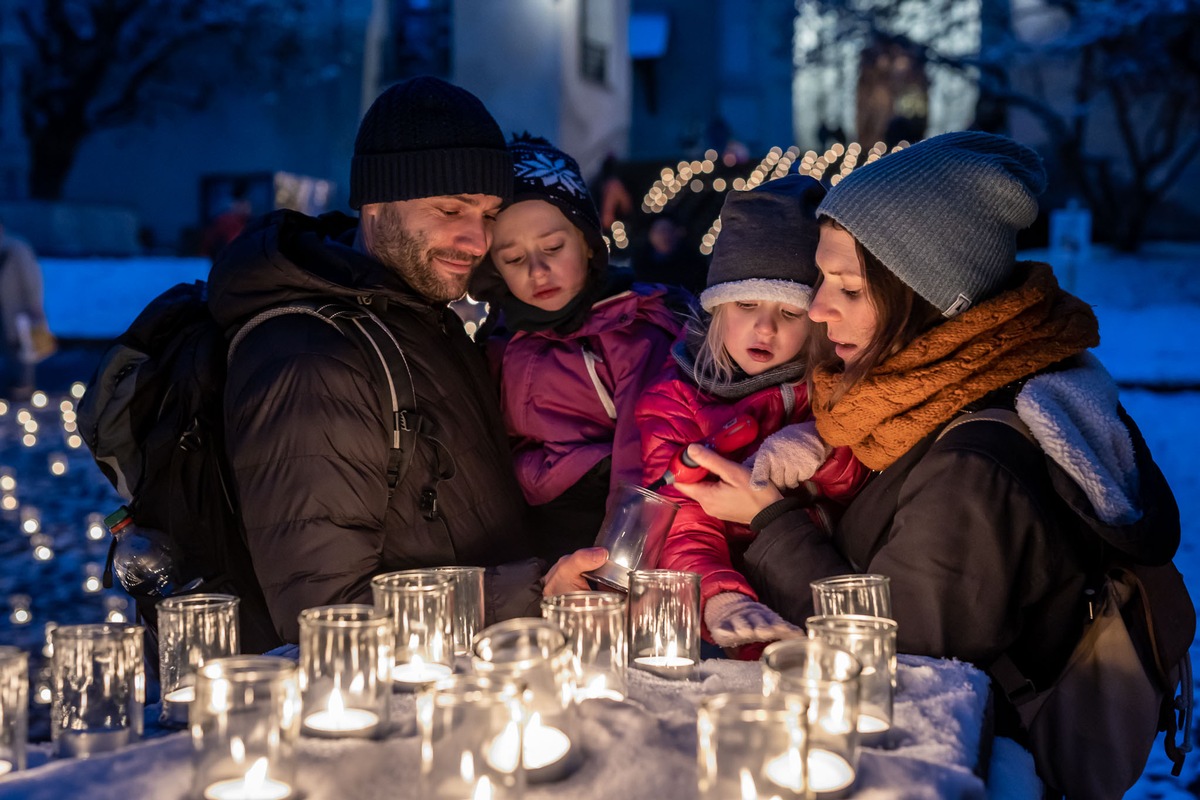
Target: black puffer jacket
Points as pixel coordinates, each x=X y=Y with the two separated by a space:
x=308 y=439
x=987 y=544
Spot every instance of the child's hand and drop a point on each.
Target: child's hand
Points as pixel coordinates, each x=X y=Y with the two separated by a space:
x=788 y=457
x=734 y=619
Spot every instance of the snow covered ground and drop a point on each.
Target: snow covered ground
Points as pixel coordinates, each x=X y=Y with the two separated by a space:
x=1149 y=310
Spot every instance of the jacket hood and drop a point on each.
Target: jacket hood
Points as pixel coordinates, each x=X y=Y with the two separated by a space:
x=286 y=256
x=1075 y=416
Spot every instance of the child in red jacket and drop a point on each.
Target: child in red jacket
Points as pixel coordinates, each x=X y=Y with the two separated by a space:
x=746 y=356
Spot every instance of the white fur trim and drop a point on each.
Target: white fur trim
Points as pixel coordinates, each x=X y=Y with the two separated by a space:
x=757 y=290
x=1073 y=416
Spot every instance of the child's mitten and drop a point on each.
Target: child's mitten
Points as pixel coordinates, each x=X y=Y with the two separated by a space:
x=789 y=457
x=733 y=619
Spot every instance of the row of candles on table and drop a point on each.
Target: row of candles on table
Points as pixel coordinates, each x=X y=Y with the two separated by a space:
x=509 y=721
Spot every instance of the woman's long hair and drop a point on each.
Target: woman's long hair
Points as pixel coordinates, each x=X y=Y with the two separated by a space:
x=901 y=315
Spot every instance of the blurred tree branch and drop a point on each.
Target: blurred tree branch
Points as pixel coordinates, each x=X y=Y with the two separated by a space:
x=1093 y=73
x=101 y=64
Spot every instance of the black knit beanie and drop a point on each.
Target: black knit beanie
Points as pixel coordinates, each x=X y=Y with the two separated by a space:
x=768 y=244
x=423 y=138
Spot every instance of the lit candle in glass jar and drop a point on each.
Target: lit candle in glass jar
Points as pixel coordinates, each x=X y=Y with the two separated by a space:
x=828 y=773
x=339 y=719
x=184 y=694
x=254 y=786
x=545 y=750
x=417 y=673
x=667 y=663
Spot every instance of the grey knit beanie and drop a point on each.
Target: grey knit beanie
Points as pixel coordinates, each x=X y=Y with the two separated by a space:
x=425 y=137
x=768 y=243
x=943 y=215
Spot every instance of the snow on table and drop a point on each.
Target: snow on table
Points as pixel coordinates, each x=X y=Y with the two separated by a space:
x=643 y=748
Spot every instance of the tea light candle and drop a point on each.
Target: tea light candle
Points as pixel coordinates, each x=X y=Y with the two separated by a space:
x=184 y=694
x=339 y=719
x=669 y=664
x=417 y=673
x=596 y=688
x=254 y=786
x=828 y=773
x=545 y=750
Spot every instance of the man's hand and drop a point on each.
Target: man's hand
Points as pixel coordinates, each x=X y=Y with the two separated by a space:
x=732 y=499
x=567 y=575
x=788 y=457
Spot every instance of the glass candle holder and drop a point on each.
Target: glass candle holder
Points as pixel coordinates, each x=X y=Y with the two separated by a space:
x=418 y=603
x=664 y=622
x=244 y=722
x=99 y=688
x=829 y=677
x=873 y=641
x=14 y=708
x=529 y=657
x=633 y=532
x=345 y=670
x=594 y=626
x=471 y=730
x=751 y=746
x=867 y=594
x=466 y=604
x=192 y=630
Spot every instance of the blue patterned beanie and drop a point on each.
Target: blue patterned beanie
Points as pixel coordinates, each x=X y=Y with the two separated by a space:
x=543 y=172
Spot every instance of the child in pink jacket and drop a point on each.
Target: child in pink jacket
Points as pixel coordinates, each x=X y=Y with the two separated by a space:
x=581 y=347
x=745 y=357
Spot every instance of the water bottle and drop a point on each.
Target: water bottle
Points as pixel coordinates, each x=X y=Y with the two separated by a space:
x=145 y=560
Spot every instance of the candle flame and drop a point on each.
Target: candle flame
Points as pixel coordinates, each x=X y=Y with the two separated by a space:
x=749 y=790
x=483 y=790
x=256 y=776
x=337 y=707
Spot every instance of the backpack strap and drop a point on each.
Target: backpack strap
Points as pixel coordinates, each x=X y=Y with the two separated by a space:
x=1002 y=415
x=397 y=392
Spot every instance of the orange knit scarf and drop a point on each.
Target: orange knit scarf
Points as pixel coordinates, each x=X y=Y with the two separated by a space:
x=913 y=392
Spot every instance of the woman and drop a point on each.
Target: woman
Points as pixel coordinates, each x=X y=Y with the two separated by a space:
x=983 y=528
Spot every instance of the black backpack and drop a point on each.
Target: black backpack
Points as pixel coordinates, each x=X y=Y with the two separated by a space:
x=153 y=419
x=1128 y=678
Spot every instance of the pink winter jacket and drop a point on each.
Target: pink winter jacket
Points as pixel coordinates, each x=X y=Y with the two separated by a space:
x=673 y=413
x=568 y=399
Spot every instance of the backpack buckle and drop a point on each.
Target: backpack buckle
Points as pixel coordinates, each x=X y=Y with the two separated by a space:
x=429 y=504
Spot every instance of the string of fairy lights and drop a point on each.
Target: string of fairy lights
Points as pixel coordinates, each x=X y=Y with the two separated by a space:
x=697 y=176
x=42 y=447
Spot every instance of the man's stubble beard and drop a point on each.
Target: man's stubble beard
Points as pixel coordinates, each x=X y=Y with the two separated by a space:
x=408 y=253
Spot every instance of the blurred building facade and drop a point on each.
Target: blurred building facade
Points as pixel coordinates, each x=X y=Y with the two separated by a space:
x=645 y=80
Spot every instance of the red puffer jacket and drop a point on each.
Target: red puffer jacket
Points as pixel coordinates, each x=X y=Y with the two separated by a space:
x=673 y=413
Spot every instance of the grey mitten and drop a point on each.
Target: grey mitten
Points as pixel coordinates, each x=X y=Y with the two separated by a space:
x=788 y=457
x=734 y=619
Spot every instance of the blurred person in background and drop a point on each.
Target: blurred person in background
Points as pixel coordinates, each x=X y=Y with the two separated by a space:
x=27 y=339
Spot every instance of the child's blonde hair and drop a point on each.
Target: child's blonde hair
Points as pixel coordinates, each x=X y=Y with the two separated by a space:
x=714 y=366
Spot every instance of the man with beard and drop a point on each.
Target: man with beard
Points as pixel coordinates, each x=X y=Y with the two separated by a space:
x=306 y=432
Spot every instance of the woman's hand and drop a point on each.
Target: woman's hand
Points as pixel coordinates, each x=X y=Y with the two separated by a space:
x=568 y=574
x=732 y=499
